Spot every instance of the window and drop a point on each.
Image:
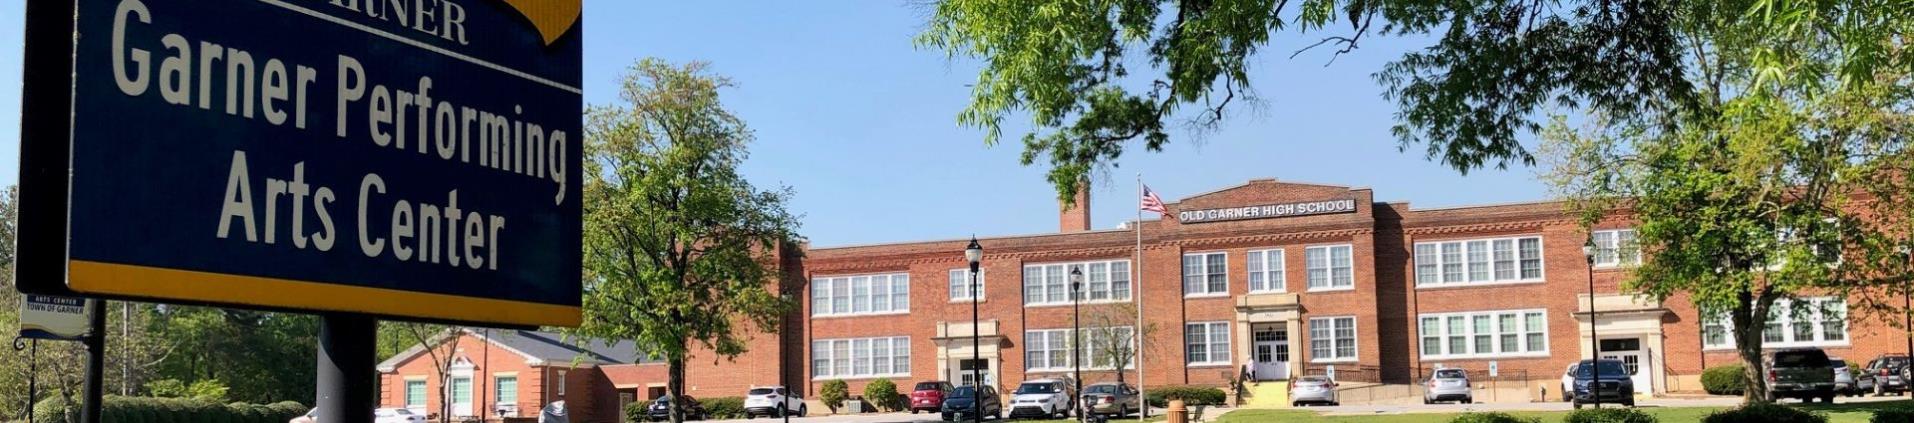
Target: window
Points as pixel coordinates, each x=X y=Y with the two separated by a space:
x=1266 y=271
x=1330 y=267
x=1332 y=339
x=461 y=395
x=415 y=394
x=960 y=285
x=1206 y=343
x=1486 y=334
x=560 y=379
x=1496 y=260
x=1051 y=349
x=1205 y=274
x=858 y=295
x=1798 y=322
x=860 y=358
x=1616 y=248
x=1103 y=281
x=507 y=389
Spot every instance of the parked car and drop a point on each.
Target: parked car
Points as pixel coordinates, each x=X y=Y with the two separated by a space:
x=1042 y=398
x=1799 y=373
x=382 y=415
x=1312 y=390
x=1111 y=398
x=961 y=403
x=660 y=409
x=929 y=396
x=1448 y=385
x=1884 y=374
x=1608 y=381
x=1568 y=379
x=1843 y=378
x=772 y=401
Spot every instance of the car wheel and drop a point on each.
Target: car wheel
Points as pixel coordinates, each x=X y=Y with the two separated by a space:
x=1295 y=404
x=1629 y=403
x=1469 y=400
x=1578 y=406
x=804 y=410
x=1426 y=401
x=1879 y=390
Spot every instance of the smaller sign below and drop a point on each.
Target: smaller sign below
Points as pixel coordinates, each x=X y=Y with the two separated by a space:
x=1268 y=211
x=1494 y=371
x=53 y=317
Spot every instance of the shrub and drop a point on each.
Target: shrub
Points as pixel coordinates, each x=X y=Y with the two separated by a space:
x=1191 y=395
x=1892 y=415
x=114 y=408
x=724 y=408
x=1764 y=413
x=52 y=409
x=833 y=394
x=1491 y=418
x=1724 y=380
x=1608 y=415
x=883 y=394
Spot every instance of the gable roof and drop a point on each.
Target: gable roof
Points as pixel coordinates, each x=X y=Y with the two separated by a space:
x=538 y=348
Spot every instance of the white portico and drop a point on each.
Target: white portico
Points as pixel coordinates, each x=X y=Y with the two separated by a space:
x=1629 y=327
x=1268 y=321
x=956 y=359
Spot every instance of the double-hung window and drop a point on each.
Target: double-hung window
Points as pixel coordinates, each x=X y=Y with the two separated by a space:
x=1484 y=334
x=1049 y=350
x=1330 y=267
x=1796 y=322
x=415 y=394
x=1479 y=261
x=856 y=295
x=1206 y=343
x=1616 y=248
x=1103 y=281
x=1266 y=270
x=860 y=357
x=961 y=285
x=1205 y=274
x=1332 y=339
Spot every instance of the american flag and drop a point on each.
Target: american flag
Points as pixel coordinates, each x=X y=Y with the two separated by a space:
x=1153 y=203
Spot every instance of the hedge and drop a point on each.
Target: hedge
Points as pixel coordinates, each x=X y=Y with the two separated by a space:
x=724 y=408
x=635 y=411
x=883 y=394
x=1491 y=418
x=1893 y=415
x=833 y=394
x=1764 y=413
x=1724 y=380
x=1608 y=415
x=1191 y=395
x=120 y=409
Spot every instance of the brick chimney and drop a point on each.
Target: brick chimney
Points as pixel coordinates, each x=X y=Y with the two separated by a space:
x=1075 y=218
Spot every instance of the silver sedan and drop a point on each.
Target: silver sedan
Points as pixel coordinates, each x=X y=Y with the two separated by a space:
x=1448 y=385
x=1312 y=390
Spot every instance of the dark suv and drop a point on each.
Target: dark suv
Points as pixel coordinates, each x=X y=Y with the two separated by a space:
x=961 y=403
x=660 y=409
x=1799 y=373
x=1884 y=374
x=1604 y=381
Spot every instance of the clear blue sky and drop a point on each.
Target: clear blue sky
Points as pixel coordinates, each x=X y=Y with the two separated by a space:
x=862 y=125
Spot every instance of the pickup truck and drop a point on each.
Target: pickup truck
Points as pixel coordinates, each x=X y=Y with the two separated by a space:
x=1799 y=373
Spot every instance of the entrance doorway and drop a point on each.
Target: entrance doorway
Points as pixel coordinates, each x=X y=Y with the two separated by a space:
x=1270 y=352
x=966 y=370
x=1633 y=357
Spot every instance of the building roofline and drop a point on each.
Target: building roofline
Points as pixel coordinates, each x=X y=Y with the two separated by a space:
x=1479 y=206
x=981 y=238
x=1272 y=180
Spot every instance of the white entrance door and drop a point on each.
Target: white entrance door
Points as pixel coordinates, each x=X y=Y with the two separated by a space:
x=1270 y=353
x=1633 y=358
x=966 y=371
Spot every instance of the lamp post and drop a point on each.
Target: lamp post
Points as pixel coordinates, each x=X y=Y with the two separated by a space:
x=1594 y=342
x=975 y=255
x=1076 y=337
x=1907 y=305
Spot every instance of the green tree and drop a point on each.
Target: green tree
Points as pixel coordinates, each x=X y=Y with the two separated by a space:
x=1790 y=177
x=678 y=245
x=1471 y=98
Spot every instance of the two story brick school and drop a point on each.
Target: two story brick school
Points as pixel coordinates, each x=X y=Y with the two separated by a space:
x=1279 y=279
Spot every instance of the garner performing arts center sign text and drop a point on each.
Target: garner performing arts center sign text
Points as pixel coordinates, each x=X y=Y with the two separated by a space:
x=1268 y=211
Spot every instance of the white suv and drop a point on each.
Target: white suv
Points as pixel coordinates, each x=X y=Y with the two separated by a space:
x=772 y=401
x=1043 y=398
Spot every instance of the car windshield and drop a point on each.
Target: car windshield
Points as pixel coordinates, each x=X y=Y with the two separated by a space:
x=760 y=391
x=1451 y=374
x=1101 y=389
x=927 y=386
x=402 y=411
x=1800 y=359
x=1037 y=388
x=964 y=392
x=1608 y=369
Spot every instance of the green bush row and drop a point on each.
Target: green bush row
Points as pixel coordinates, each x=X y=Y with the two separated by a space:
x=120 y=409
x=1764 y=413
x=1724 y=380
x=882 y=393
x=1608 y=415
x=1191 y=395
x=1893 y=415
x=724 y=408
x=1491 y=418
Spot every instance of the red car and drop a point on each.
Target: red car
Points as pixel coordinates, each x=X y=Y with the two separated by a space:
x=929 y=396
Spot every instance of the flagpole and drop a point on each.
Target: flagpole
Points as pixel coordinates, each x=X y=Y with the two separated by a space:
x=1139 y=293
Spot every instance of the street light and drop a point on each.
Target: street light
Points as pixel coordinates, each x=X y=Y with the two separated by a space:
x=1076 y=336
x=1907 y=303
x=1594 y=342
x=975 y=254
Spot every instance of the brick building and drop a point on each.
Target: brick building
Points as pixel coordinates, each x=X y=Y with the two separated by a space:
x=1279 y=278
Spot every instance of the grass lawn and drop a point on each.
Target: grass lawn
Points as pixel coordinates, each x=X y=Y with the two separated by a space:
x=1837 y=413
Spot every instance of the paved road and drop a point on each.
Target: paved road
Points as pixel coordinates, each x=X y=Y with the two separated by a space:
x=868 y=418
x=1351 y=410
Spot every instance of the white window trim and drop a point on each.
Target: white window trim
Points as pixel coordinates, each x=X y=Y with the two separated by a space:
x=1355 y=341
x=1209 y=340
x=889 y=374
x=1281 y=284
x=981 y=296
x=1023 y=290
x=425 y=394
x=497 y=402
x=824 y=312
x=1069 y=350
x=1206 y=292
x=1847 y=325
x=1329 y=260
x=1614 y=236
x=1521 y=318
x=1541 y=254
